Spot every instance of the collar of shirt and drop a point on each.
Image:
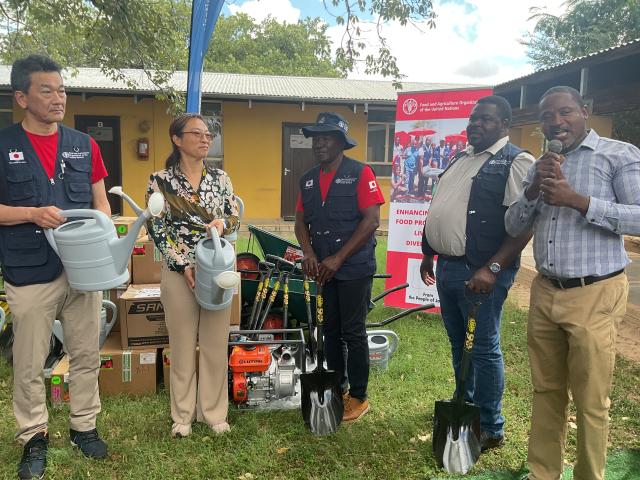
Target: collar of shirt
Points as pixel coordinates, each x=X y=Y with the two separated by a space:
x=492 y=150
x=590 y=141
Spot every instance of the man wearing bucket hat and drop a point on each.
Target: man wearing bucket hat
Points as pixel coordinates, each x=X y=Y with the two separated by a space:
x=46 y=167
x=337 y=215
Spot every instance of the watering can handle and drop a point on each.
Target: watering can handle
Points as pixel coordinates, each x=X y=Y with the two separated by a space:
x=103 y=221
x=114 y=310
x=216 y=239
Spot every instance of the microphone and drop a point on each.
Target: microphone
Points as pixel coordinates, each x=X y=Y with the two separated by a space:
x=555 y=146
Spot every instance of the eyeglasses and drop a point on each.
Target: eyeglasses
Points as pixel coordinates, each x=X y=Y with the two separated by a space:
x=200 y=135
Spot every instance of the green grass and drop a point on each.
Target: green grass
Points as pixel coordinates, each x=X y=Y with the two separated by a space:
x=392 y=442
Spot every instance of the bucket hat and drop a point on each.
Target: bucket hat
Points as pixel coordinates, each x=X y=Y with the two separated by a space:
x=331 y=122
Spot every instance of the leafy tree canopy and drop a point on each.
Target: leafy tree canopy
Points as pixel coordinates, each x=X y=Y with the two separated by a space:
x=586 y=27
x=153 y=35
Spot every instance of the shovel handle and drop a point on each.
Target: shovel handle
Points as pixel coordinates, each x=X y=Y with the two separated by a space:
x=467 y=352
x=320 y=328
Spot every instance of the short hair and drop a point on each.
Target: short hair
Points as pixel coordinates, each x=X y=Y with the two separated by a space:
x=575 y=94
x=22 y=69
x=502 y=105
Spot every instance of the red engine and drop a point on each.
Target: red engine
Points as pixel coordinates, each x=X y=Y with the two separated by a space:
x=245 y=360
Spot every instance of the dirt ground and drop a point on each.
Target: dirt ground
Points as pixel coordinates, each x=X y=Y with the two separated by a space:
x=628 y=340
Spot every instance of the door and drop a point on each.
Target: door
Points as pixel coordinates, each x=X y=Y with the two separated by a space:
x=297 y=158
x=106 y=132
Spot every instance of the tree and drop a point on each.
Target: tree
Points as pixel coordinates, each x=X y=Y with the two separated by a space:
x=586 y=27
x=153 y=35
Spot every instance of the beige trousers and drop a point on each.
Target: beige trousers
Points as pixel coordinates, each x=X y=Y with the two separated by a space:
x=204 y=397
x=571 y=340
x=33 y=309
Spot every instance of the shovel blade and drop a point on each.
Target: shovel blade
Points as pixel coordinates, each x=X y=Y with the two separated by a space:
x=456 y=435
x=321 y=402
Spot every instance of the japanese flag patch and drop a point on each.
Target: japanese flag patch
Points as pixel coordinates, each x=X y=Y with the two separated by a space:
x=16 y=156
x=373 y=186
x=309 y=183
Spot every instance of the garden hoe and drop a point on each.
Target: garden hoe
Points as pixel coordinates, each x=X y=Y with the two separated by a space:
x=322 y=403
x=456 y=423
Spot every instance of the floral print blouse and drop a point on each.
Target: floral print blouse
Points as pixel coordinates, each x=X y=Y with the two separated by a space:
x=189 y=211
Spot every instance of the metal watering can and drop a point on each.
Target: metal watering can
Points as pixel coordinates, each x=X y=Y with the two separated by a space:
x=105 y=327
x=93 y=256
x=216 y=279
x=3 y=318
x=382 y=344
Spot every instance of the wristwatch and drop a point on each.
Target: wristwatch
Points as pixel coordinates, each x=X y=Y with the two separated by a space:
x=495 y=268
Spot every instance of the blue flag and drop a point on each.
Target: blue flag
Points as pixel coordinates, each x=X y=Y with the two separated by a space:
x=204 y=15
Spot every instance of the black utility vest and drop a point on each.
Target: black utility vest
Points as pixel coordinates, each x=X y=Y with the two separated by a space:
x=485 y=212
x=332 y=222
x=25 y=255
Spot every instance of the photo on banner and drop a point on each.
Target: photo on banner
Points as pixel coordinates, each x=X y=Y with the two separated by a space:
x=430 y=130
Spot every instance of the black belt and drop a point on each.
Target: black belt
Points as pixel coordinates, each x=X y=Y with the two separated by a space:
x=564 y=283
x=451 y=258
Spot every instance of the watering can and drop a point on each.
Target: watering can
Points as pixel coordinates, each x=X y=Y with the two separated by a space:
x=216 y=279
x=382 y=344
x=232 y=237
x=105 y=327
x=93 y=256
x=3 y=318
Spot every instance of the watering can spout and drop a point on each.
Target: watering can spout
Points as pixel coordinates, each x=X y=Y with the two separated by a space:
x=121 y=247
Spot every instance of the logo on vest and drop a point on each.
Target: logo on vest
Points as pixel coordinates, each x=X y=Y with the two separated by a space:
x=373 y=186
x=74 y=155
x=309 y=184
x=346 y=180
x=499 y=161
x=16 y=157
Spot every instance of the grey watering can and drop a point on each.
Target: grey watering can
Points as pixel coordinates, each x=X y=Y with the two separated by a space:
x=216 y=279
x=232 y=237
x=93 y=256
x=105 y=326
x=382 y=344
x=3 y=318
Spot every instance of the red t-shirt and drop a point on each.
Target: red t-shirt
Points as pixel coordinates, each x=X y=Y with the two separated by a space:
x=368 y=189
x=46 y=148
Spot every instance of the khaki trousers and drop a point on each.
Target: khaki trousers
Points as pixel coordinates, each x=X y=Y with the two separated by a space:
x=571 y=340
x=203 y=397
x=33 y=309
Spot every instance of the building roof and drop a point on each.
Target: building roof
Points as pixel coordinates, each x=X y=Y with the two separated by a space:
x=241 y=86
x=596 y=57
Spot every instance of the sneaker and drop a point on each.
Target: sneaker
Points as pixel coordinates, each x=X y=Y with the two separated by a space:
x=34 y=457
x=90 y=443
x=220 y=428
x=487 y=442
x=354 y=409
x=179 y=430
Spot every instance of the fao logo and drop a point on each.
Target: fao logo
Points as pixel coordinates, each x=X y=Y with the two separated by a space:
x=409 y=106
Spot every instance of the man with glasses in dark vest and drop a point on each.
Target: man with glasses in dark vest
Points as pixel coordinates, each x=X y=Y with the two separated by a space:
x=337 y=215
x=46 y=167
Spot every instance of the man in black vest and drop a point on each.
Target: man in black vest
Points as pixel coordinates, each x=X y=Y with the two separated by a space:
x=337 y=215
x=46 y=167
x=476 y=258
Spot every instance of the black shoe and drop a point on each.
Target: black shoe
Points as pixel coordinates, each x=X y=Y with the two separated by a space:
x=90 y=443
x=487 y=442
x=34 y=457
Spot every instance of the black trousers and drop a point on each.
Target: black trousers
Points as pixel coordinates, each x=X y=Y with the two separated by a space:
x=346 y=304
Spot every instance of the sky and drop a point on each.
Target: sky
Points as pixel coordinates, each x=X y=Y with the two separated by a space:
x=475 y=41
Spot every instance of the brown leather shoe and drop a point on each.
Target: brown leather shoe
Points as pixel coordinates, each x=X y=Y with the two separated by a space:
x=354 y=409
x=487 y=442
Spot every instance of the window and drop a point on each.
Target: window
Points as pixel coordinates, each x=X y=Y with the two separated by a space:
x=380 y=131
x=212 y=112
x=6 y=110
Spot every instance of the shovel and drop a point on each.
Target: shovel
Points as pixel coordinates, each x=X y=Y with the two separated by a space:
x=456 y=423
x=322 y=402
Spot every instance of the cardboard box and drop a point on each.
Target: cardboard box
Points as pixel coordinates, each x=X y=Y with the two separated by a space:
x=146 y=262
x=123 y=224
x=131 y=372
x=235 y=306
x=59 y=383
x=166 y=367
x=142 y=318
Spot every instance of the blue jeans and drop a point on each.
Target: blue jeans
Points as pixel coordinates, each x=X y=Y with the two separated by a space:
x=485 y=382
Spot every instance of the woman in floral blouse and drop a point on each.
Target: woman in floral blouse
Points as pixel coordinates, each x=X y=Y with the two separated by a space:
x=198 y=199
